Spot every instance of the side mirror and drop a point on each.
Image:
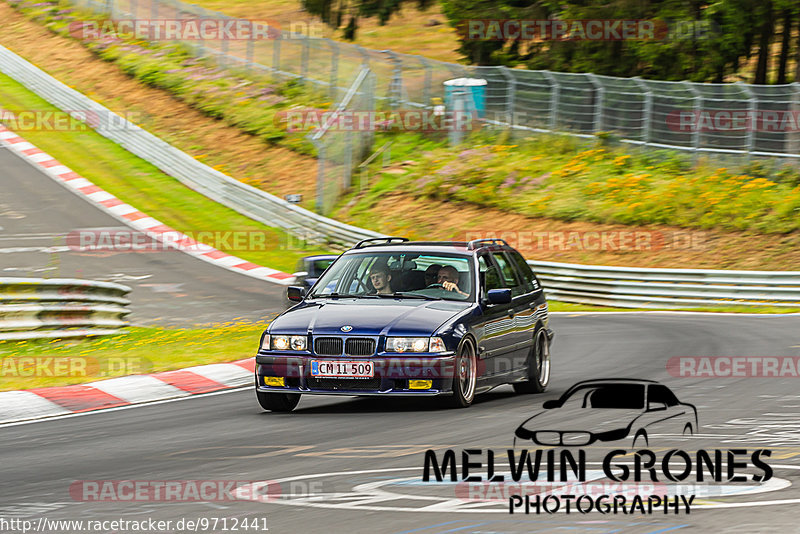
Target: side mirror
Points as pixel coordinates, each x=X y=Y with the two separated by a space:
x=549 y=405
x=499 y=296
x=300 y=274
x=656 y=406
x=296 y=293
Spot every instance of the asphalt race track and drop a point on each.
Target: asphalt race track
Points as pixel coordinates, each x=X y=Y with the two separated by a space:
x=339 y=464
x=169 y=287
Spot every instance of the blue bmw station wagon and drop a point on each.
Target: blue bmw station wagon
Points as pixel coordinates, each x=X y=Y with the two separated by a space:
x=395 y=317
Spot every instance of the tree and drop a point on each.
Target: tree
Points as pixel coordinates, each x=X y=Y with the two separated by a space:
x=766 y=16
x=786 y=40
x=335 y=12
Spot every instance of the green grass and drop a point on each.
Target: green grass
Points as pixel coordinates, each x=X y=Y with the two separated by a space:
x=135 y=351
x=561 y=177
x=142 y=185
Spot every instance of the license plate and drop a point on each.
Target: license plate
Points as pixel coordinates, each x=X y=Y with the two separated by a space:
x=338 y=369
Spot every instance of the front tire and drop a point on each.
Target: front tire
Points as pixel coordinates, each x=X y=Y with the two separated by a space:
x=465 y=377
x=538 y=366
x=278 y=402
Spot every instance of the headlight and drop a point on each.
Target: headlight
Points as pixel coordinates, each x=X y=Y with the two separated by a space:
x=287 y=342
x=407 y=344
x=265 y=342
x=298 y=342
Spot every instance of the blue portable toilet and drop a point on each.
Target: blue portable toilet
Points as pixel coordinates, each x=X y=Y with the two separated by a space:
x=476 y=93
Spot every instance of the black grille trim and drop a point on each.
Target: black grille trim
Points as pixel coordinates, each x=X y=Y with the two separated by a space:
x=359 y=346
x=328 y=346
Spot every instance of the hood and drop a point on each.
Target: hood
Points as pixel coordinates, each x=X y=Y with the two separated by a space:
x=593 y=420
x=368 y=317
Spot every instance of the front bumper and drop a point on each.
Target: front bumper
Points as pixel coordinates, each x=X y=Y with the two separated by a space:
x=391 y=375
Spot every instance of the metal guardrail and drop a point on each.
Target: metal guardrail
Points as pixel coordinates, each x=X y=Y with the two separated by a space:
x=632 y=287
x=32 y=308
x=247 y=200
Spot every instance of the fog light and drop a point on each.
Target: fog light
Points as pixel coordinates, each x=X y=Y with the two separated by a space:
x=420 y=384
x=274 y=381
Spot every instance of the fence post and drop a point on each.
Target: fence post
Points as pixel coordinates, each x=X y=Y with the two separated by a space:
x=304 y=58
x=250 y=53
x=554 y=98
x=456 y=135
x=320 y=146
x=511 y=92
x=348 y=160
x=793 y=144
x=396 y=85
x=364 y=56
x=334 y=79
x=751 y=108
x=597 y=120
x=276 y=55
x=648 y=109
x=696 y=107
x=224 y=47
x=426 y=86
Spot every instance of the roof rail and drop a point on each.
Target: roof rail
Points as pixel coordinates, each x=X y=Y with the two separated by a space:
x=478 y=243
x=379 y=241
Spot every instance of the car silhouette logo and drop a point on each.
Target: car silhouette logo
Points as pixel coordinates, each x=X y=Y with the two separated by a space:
x=609 y=410
x=346 y=328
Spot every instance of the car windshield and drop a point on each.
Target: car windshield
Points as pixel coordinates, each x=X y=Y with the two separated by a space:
x=619 y=396
x=318 y=266
x=398 y=275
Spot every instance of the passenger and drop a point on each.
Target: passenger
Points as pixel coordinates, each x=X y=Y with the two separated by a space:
x=381 y=279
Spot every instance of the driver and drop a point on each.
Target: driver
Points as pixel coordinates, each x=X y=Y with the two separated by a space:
x=448 y=277
x=432 y=274
x=380 y=278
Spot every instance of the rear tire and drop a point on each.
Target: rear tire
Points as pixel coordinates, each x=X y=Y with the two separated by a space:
x=538 y=366
x=278 y=402
x=465 y=376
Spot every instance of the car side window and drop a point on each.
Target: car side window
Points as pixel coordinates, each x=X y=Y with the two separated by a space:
x=529 y=280
x=508 y=274
x=490 y=278
x=659 y=393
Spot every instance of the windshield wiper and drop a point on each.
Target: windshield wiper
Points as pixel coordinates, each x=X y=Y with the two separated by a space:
x=399 y=294
x=341 y=295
